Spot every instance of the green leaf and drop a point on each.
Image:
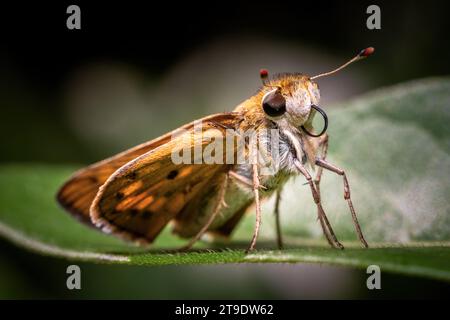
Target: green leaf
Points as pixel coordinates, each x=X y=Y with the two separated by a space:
x=394 y=145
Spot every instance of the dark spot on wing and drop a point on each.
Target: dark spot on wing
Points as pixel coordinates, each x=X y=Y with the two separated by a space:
x=169 y=193
x=119 y=195
x=172 y=174
x=133 y=212
x=131 y=176
x=147 y=214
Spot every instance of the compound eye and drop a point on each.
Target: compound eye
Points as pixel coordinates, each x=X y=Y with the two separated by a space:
x=274 y=104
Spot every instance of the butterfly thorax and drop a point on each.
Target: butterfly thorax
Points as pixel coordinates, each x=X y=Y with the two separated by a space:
x=277 y=150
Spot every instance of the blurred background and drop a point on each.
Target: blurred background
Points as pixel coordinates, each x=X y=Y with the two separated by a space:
x=135 y=71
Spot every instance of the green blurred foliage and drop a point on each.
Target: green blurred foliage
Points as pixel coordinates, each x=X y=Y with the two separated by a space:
x=382 y=149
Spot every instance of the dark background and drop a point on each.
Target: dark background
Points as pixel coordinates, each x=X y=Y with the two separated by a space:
x=152 y=35
x=38 y=54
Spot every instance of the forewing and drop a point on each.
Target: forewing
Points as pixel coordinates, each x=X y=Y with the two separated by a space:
x=139 y=199
x=77 y=194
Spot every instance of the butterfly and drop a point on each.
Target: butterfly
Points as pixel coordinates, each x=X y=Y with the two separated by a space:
x=191 y=179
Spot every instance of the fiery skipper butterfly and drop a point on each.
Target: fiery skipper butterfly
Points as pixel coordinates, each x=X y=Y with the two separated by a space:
x=204 y=175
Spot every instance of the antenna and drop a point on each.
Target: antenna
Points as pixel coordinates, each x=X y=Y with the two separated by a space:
x=264 y=74
x=361 y=55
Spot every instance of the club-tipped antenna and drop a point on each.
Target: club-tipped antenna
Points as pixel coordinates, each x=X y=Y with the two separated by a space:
x=264 y=75
x=361 y=55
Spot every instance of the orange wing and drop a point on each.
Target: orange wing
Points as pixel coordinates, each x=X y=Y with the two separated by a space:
x=142 y=189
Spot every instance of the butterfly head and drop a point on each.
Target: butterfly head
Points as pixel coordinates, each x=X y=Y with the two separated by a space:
x=287 y=99
x=292 y=99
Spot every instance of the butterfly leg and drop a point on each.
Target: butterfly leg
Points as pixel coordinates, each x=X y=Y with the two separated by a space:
x=324 y=144
x=277 y=219
x=256 y=187
x=334 y=241
x=236 y=176
x=220 y=204
x=325 y=164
